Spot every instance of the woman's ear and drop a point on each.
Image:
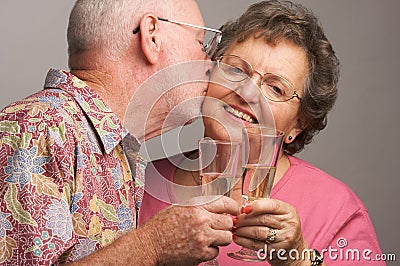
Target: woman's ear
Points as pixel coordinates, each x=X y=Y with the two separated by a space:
x=295 y=131
x=150 y=38
x=292 y=134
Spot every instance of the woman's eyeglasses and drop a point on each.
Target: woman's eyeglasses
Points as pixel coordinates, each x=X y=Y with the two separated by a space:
x=209 y=46
x=276 y=88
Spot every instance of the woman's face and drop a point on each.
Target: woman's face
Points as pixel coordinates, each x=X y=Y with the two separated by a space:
x=227 y=101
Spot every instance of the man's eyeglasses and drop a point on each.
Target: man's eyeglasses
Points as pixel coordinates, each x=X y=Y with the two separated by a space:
x=276 y=88
x=209 y=47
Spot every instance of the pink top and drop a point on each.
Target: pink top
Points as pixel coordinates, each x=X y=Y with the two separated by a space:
x=334 y=221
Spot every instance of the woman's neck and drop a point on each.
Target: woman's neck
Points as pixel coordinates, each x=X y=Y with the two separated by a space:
x=281 y=168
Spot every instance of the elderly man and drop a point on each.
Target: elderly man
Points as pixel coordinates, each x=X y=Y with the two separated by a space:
x=71 y=180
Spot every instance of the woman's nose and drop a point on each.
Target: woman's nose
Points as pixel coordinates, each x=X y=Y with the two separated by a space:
x=250 y=90
x=257 y=78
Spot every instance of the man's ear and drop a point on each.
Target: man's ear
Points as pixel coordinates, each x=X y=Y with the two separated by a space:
x=150 y=37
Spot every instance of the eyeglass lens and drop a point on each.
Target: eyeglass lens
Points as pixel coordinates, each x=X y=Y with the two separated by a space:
x=211 y=41
x=275 y=88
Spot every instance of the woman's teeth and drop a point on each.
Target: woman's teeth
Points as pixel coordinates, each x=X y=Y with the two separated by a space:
x=239 y=114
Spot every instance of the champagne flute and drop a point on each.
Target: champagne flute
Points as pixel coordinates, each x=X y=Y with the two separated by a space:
x=218 y=164
x=261 y=147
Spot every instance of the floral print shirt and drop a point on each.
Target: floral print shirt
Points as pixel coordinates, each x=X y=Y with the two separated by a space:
x=66 y=188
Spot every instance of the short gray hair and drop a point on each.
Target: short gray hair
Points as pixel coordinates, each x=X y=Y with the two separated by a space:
x=283 y=20
x=101 y=24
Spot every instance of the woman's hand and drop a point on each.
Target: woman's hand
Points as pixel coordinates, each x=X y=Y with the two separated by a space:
x=273 y=225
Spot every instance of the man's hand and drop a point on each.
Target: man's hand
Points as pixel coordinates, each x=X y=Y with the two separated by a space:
x=185 y=235
x=178 y=235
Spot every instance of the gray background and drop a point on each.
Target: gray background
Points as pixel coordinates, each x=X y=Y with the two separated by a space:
x=360 y=143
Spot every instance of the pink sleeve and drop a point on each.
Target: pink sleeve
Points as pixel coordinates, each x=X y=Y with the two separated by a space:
x=355 y=243
x=157 y=195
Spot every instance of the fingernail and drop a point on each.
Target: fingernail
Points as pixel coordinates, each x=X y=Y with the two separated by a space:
x=248 y=209
x=235 y=221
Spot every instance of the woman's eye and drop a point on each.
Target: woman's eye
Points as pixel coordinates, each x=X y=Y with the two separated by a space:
x=275 y=89
x=236 y=70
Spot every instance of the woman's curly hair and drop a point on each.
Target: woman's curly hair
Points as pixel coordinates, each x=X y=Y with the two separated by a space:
x=283 y=20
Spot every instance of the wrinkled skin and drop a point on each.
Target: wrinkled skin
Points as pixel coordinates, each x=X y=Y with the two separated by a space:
x=255 y=222
x=188 y=235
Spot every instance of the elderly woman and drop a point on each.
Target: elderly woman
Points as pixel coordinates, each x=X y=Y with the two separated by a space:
x=281 y=47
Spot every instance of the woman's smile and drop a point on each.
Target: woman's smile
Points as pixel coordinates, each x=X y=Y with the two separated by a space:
x=240 y=114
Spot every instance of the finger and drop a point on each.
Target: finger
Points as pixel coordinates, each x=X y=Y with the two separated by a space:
x=249 y=243
x=274 y=238
x=278 y=239
x=221 y=238
x=221 y=222
x=265 y=220
x=222 y=205
x=211 y=253
x=254 y=232
x=270 y=206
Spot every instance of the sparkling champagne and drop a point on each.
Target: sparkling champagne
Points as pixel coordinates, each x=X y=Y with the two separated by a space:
x=257 y=181
x=215 y=184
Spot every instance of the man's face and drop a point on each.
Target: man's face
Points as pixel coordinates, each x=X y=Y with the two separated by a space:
x=185 y=44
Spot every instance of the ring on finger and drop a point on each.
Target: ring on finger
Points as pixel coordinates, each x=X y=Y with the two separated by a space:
x=271 y=237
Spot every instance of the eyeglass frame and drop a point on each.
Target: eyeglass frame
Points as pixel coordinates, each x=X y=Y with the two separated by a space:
x=294 y=95
x=206 y=47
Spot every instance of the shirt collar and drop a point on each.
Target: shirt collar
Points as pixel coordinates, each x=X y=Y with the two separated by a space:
x=106 y=123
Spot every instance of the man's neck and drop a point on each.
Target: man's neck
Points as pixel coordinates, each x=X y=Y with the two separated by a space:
x=117 y=83
x=109 y=87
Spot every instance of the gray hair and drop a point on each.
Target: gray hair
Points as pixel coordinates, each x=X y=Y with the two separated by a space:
x=102 y=24
x=283 y=20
